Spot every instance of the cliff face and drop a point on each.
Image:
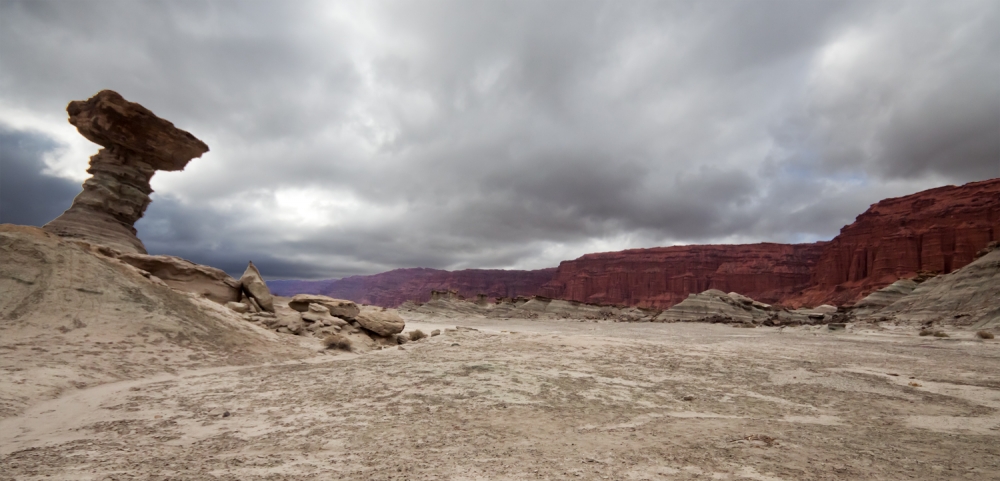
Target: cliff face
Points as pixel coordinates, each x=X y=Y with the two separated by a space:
x=390 y=289
x=938 y=230
x=663 y=276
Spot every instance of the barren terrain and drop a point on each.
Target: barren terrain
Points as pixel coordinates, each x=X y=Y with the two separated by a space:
x=543 y=400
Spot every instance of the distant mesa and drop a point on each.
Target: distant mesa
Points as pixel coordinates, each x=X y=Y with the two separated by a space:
x=936 y=231
x=136 y=144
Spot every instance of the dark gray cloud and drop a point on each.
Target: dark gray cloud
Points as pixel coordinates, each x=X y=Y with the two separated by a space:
x=28 y=195
x=352 y=138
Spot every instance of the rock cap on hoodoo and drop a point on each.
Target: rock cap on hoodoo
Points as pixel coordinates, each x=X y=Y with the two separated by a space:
x=110 y=120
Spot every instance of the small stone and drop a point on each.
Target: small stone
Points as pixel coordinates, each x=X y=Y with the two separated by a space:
x=225 y=414
x=435 y=332
x=454 y=344
x=688 y=398
x=401 y=348
x=238 y=307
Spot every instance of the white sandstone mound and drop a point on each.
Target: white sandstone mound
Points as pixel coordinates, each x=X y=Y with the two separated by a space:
x=883 y=297
x=73 y=315
x=714 y=304
x=968 y=297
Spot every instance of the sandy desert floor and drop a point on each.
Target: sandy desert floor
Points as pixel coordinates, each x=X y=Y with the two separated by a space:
x=545 y=400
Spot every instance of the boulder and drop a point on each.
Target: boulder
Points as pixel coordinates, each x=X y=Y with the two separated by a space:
x=136 y=144
x=381 y=321
x=184 y=275
x=238 y=307
x=320 y=314
x=255 y=287
x=336 y=307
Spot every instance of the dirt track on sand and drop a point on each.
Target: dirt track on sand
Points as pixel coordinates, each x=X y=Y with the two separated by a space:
x=550 y=400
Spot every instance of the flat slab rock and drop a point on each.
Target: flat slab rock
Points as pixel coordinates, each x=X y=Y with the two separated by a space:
x=184 y=275
x=338 y=307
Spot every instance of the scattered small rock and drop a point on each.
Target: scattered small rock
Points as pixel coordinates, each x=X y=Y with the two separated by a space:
x=238 y=307
x=687 y=398
x=836 y=326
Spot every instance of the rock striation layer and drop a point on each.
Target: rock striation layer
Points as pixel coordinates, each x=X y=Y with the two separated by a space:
x=663 y=276
x=968 y=297
x=136 y=143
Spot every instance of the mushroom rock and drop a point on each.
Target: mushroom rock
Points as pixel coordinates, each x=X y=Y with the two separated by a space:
x=136 y=143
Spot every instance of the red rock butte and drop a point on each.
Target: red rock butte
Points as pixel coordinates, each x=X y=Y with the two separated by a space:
x=663 y=276
x=937 y=230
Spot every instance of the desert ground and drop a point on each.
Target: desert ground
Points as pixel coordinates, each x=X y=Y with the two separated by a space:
x=529 y=399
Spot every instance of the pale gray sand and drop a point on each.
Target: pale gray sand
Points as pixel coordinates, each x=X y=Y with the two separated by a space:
x=550 y=400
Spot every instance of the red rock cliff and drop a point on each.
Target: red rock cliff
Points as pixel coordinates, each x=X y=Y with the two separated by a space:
x=390 y=289
x=937 y=230
x=663 y=276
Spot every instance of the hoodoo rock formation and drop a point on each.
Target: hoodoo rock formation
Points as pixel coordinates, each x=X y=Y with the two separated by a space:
x=136 y=144
x=937 y=230
x=663 y=276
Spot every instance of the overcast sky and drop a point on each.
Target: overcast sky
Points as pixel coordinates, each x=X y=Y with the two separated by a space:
x=357 y=137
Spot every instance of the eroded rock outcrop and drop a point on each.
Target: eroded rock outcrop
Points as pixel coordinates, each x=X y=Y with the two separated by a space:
x=714 y=304
x=337 y=307
x=884 y=297
x=186 y=276
x=968 y=297
x=255 y=288
x=937 y=230
x=136 y=144
x=381 y=321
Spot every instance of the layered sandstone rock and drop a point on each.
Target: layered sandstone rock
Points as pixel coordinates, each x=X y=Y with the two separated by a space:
x=381 y=321
x=390 y=289
x=968 y=297
x=663 y=276
x=883 y=297
x=937 y=230
x=136 y=144
x=186 y=276
x=336 y=307
x=714 y=304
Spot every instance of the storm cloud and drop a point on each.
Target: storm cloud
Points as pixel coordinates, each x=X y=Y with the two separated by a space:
x=357 y=137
